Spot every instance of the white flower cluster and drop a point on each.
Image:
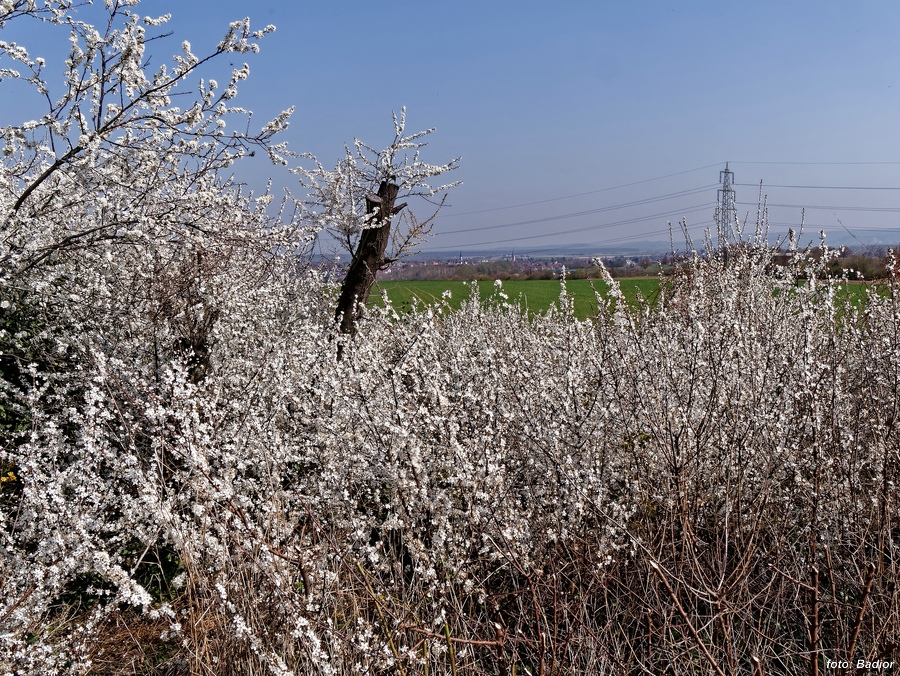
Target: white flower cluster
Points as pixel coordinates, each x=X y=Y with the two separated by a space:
x=336 y=200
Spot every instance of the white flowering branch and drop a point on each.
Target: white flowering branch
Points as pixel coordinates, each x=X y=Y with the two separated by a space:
x=115 y=124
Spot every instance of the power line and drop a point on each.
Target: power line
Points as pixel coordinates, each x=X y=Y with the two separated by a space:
x=614 y=224
x=847 y=228
x=890 y=210
x=818 y=187
x=823 y=164
x=661 y=198
x=611 y=240
x=580 y=194
x=558 y=217
x=616 y=240
x=689 y=171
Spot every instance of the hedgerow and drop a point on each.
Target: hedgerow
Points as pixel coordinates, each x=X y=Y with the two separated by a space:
x=194 y=482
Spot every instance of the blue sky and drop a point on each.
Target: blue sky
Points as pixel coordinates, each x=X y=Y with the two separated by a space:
x=549 y=101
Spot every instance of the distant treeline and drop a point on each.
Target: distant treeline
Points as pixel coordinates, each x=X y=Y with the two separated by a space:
x=866 y=263
x=575 y=268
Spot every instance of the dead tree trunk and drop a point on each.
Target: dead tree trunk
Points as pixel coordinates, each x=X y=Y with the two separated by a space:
x=369 y=256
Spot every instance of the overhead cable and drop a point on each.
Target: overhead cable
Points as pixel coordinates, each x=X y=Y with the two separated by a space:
x=630 y=221
x=819 y=187
x=579 y=194
x=558 y=217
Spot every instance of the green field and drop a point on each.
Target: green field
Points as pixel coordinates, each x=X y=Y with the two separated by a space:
x=535 y=295
x=538 y=295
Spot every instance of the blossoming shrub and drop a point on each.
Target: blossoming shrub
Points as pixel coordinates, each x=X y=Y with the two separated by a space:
x=687 y=487
x=192 y=482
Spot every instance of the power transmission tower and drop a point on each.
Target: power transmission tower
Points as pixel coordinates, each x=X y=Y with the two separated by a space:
x=726 y=205
x=726 y=212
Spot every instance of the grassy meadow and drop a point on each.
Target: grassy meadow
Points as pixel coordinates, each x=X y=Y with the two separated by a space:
x=538 y=295
x=535 y=295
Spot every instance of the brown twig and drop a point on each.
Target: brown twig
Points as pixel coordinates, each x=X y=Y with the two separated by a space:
x=18 y=603
x=450 y=649
x=684 y=616
x=757 y=666
x=870 y=578
x=814 y=623
x=800 y=584
x=452 y=639
x=384 y=624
